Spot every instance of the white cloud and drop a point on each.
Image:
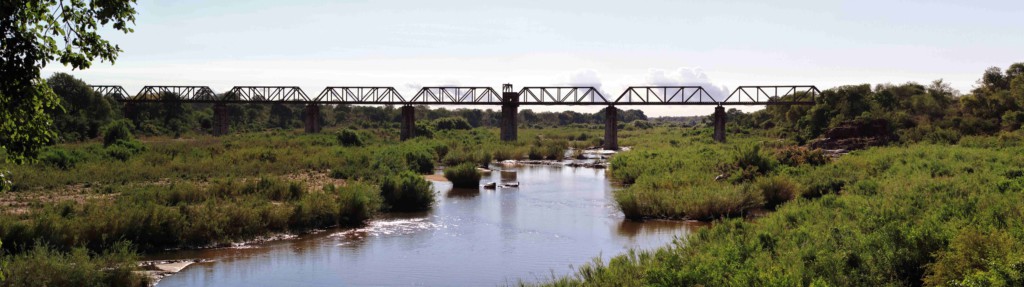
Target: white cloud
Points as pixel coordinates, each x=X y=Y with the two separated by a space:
x=687 y=77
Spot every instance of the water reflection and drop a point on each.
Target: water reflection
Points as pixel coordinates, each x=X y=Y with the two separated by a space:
x=556 y=218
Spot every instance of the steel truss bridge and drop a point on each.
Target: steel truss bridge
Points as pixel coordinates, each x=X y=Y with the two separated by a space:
x=468 y=95
x=508 y=99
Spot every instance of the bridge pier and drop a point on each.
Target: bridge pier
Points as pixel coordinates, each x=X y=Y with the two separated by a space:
x=221 y=121
x=509 y=114
x=611 y=126
x=311 y=118
x=719 y=118
x=408 y=122
x=128 y=110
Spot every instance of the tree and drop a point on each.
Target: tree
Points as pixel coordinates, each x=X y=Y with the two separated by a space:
x=34 y=33
x=85 y=111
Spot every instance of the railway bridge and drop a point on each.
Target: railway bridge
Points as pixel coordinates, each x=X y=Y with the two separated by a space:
x=509 y=99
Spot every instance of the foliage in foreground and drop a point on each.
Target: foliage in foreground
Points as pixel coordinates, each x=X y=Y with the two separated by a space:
x=45 y=266
x=189 y=214
x=897 y=216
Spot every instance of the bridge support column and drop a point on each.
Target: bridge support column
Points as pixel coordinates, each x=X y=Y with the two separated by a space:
x=311 y=118
x=611 y=128
x=509 y=114
x=408 y=122
x=128 y=110
x=719 y=118
x=221 y=121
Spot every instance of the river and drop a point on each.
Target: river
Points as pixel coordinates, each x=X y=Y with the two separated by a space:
x=558 y=217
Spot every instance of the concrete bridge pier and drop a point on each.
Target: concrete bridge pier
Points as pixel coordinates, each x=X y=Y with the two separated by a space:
x=221 y=121
x=611 y=125
x=509 y=114
x=311 y=118
x=408 y=122
x=719 y=118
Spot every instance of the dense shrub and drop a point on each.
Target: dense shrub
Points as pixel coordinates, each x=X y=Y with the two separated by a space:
x=119 y=130
x=670 y=196
x=419 y=159
x=348 y=137
x=640 y=125
x=407 y=191
x=59 y=158
x=124 y=149
x=747 y=164
x=794 y=156
x=46 y=266
x=464 y=175
x=777 y=189
x=451 y=123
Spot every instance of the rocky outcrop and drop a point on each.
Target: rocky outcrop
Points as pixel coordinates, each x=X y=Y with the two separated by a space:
x=853 y=135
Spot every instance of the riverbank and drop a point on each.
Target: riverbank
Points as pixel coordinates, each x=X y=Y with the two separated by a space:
x=214 y=191
x=905 y=215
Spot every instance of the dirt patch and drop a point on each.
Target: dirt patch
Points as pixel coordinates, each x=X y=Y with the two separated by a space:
x=24 y=201
x=314 y=180
x=435 y=177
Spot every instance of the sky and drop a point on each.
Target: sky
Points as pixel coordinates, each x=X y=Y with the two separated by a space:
x=606 y=44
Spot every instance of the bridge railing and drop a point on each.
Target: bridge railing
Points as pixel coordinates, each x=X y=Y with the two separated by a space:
x=773 y=95
x=360 y=95
x=451 y=95
x=665 y=95
x=174 y=93
x=260 y=94
x=114 y=91
x=569 y=95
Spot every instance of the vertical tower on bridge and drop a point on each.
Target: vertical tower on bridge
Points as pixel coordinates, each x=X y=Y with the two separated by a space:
x=719 y=118
x=611 y=125
x=408 y=122
x=311 y=119
x=509 y=113
x=221 y=121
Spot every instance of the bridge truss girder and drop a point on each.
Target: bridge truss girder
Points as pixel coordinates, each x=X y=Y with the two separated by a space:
x=273 y=94
x=451 y=95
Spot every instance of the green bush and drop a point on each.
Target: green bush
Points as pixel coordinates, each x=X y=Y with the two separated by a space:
x=777 y=189
x=124 y=149
x=747 y=164
x=46 y=266
x=640 y=125
x=119 y=130
x=419 y=159
x=59 y=158
x=348 y=137
x=451 y=123
x=407 y=191
x=463 y=175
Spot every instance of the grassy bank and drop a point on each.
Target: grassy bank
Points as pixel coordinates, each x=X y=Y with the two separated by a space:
x=82 y=201
x=914 y=215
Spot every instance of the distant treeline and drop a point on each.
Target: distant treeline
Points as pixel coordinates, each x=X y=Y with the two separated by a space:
x=913 y=112
x=86 y=112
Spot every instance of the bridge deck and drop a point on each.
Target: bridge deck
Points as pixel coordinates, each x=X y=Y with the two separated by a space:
x=458 y=95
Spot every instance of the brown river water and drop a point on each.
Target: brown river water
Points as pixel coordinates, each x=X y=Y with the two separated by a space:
x=557 y=218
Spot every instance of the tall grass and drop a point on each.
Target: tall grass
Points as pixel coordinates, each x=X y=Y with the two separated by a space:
x=187 y=215
x=45 y=266
x=935 y=215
